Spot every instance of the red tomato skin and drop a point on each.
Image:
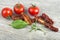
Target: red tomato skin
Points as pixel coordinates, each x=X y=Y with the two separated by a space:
x=18 y=10
x=6 y=12
x=33 y=11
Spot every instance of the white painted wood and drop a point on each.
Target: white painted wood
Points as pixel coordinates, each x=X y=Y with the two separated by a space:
x=50 y=7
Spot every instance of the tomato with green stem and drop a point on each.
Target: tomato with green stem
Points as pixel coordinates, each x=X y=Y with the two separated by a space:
x=7 y=12
x=33 y=10
x=19 y=8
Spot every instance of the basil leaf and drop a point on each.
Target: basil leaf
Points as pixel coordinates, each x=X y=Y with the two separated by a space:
x=18 y=24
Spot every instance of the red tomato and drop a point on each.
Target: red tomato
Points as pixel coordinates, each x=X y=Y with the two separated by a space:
x=33 y=10
x=6 y=12
x=18 y=8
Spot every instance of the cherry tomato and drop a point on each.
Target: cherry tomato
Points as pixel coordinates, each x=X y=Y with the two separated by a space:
x=33 y=10
x=6 y=12
x=18 y=8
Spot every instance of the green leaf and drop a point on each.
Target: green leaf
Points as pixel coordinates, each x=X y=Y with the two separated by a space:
x=18 y=24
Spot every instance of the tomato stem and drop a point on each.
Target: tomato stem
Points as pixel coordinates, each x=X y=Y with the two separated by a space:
x=18 y=6
x=33 y=5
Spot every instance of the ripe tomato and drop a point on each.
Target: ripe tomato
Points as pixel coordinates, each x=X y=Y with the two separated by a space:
x=6 y=12
x=33 y=10
x=18 y=8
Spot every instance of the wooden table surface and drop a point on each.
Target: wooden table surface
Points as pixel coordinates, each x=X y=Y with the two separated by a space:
x=50 y=7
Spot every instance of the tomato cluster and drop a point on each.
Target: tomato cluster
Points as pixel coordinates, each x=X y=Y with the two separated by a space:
x=18 y=9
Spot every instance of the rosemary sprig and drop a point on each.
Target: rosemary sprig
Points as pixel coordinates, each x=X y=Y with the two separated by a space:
x=34 y=27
